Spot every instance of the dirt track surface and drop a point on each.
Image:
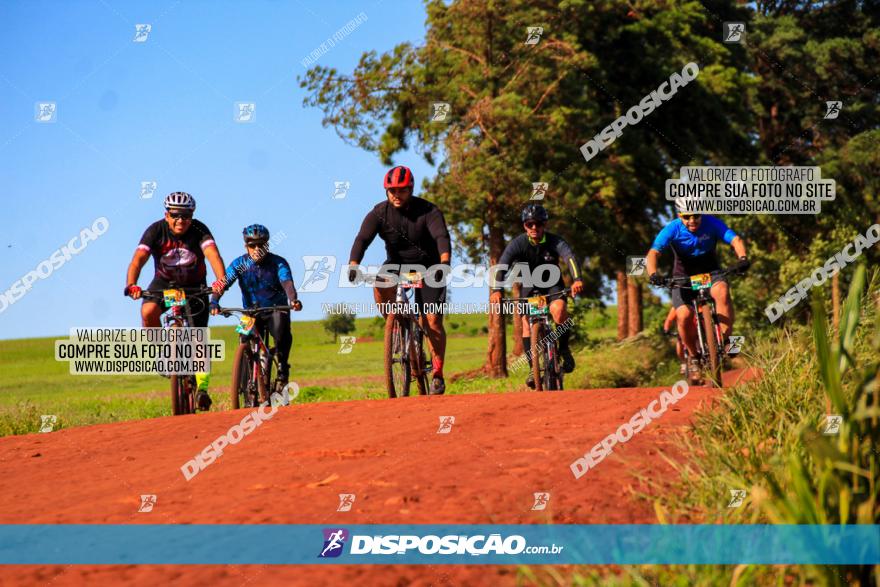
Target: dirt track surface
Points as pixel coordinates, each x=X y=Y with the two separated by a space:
x=502 y=448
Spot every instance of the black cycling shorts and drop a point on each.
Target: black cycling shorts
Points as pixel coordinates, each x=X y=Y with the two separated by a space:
x=198 y=304
x=685 y=296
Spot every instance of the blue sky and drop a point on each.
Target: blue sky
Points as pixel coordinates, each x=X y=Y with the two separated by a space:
x=163 y=110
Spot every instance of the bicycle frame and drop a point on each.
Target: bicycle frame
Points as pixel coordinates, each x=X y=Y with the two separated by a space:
x=703 y=299
x=408 y=350
x=182 y=386
x=263 y=356
x=553 y=373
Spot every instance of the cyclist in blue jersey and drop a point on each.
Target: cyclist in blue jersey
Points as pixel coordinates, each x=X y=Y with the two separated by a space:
x=265 y=280
x=693 y=238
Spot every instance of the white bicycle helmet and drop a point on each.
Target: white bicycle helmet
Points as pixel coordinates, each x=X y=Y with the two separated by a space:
x=180 y=200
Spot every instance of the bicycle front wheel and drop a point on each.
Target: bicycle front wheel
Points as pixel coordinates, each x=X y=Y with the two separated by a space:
x=397 y=359
x=241 y=372
x=419 y=362
x=176 y=395
x=712 y=345
x=539 y=360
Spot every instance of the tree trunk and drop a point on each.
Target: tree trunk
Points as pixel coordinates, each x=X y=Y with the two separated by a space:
x=496 y=357
x=517 y=323
x=622 y=310
x=634 y=299
x=835 y=301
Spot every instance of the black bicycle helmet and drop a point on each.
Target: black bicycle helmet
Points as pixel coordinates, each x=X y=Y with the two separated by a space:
x=535 y=212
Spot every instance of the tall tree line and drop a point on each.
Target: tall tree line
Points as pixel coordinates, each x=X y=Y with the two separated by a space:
x=520 y=111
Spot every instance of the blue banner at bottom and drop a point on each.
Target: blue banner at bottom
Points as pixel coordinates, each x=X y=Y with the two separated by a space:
x=87 y=544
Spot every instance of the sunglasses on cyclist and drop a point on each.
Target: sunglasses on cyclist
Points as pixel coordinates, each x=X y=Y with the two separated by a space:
x=533 y=224
x=690 y=216
x=255 y=244
x=180 y=216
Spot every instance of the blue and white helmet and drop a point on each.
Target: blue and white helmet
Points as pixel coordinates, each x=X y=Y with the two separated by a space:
x=180 y=200
x=255 y=232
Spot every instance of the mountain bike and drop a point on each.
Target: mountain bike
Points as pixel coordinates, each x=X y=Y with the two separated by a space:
x=405 y=356
x=255 y=362
x=546 y=368
x=709 y=341
x=183 y=387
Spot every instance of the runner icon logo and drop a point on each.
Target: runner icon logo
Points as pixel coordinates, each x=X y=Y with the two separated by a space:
x=539 y=190
x=636 y=265
x=147 y=503
x=334 y=541
x=318 y=271
x=446 y=423
x=142 y=32
x=346 y=344
x=148 y=188
x=832 y=109
x=541 y=500
x=735 y=345
x=340 y=189
x=346 y=500
x=439 y=111
x=533 y=34
x=832 y=424
x=736 y=498
x=47 y=422
x=734 y=31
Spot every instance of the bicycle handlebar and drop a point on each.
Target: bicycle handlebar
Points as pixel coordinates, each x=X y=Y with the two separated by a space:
x=253 y=311
x=562 y=293
x=673 y=282
x=160 y=293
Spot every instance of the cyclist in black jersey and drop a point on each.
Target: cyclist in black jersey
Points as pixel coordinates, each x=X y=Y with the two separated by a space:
x=540 y=248
x=415 y=233
x=179 y=245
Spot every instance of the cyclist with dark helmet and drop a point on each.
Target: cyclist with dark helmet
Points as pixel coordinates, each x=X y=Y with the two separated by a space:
x=179 y=245
x=537 y=247
x=414 y=232
x=265 y=280
x=693 y=239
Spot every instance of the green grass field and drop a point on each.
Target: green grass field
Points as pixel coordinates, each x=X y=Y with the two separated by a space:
x=34 y=383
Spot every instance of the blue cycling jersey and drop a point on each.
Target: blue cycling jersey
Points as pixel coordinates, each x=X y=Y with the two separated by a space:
x=694 y=251
x=260 y=283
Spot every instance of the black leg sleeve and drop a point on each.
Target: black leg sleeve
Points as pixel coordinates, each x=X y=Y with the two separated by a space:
x=280 y=327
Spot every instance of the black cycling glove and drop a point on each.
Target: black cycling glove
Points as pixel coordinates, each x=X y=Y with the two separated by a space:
x=743 y=265
x=655 y=279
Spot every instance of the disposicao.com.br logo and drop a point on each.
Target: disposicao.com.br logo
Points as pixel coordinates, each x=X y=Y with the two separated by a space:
x=451 y=544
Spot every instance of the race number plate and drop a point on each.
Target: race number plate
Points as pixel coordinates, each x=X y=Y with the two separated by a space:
x=701 y=281
x=413 y=279
x=246 y=325
x=174 y=297
x=538 y=306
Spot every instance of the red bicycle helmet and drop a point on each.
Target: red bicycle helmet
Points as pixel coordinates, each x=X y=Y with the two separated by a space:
x=399 y=177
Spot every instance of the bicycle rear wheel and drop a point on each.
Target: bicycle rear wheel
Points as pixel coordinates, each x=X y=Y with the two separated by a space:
x=539 y=366
x=553 y=375
x=712 y=345
x=397 y=360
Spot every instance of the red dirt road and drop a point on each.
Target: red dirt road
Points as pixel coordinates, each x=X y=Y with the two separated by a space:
x=502 y=448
